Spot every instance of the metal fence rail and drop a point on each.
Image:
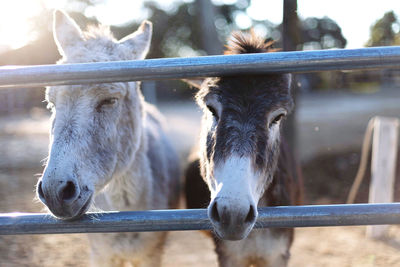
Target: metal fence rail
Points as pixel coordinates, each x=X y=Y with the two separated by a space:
x=172 y=220
x=173 y=68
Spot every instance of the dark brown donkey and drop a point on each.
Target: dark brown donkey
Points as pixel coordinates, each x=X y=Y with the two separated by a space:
x=243 y=162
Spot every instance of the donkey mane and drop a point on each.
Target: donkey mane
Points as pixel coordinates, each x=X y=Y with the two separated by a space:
x=249 y=42
x=244 y=43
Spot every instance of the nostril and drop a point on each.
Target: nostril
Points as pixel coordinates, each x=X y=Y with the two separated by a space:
x=40 y=190
x=68 y=192
x=214 y=213
x=251 y=216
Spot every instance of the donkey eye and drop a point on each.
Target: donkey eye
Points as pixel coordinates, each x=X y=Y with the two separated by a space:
x=106 y=102
x=213 y=111
x=277 y=119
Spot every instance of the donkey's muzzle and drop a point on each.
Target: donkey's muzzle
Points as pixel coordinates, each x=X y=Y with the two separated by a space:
x=232 y=219
x=64 y=200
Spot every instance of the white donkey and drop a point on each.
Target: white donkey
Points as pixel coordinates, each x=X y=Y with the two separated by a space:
x=107 y=146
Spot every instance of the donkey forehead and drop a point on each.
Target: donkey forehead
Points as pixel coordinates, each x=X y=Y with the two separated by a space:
x=265 y=90
x=92 y=91
x=98 y=50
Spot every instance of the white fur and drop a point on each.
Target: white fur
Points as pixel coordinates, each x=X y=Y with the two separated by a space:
x=238 y=185
x=107 y=151
x=235 y=179
x=233 y=194
x=273 y=134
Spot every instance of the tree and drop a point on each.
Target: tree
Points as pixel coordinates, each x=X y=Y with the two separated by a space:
x=385 y=31
x=321 y=33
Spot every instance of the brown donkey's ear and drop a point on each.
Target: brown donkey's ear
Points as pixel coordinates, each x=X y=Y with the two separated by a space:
x=194 y=82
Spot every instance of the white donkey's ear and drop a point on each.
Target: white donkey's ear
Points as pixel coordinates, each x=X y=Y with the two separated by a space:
x=65 y=31
x=139 y=41
x=194 y=82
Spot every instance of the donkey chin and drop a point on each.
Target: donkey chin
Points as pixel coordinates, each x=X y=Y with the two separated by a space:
x=67 y=200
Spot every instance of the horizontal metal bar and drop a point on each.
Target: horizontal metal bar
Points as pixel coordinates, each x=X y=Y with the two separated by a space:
x=175 y=220
x=207 y=66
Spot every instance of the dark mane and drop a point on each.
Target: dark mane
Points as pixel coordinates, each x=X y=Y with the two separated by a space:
x=249 y=42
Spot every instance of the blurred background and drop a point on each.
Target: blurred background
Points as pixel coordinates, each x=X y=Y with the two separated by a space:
x=326 y=129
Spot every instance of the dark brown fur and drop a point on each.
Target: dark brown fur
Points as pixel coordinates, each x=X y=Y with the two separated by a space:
x=243 y=130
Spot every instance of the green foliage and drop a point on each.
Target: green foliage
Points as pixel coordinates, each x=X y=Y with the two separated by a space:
x=385 y=31
x=321 y=33
x=178 y=33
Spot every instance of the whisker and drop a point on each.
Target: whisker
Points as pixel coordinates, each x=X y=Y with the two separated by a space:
x=36 y=199
x=94 y=216
x=45 y=159
x=96 y=211
x=258 y=225
x=46 y=210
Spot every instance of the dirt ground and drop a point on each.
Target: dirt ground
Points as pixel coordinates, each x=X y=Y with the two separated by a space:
x=327 y=246
x=23 y=144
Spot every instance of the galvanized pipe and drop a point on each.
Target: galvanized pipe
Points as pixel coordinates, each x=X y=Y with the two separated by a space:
x=207 y=66
x=176 y=220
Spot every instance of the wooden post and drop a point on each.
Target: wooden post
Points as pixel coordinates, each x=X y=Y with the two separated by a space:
x=383 y=167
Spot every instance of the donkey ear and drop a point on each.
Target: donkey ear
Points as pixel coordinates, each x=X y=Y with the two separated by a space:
x=194 y=82
x=139 y=41
x=65 y=31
